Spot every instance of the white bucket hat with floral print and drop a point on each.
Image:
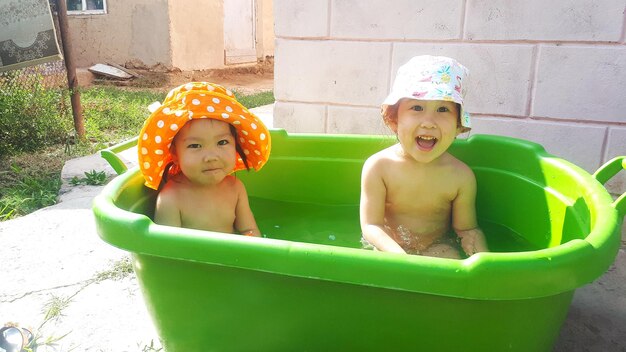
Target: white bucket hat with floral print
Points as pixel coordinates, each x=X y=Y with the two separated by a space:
x=432 y=78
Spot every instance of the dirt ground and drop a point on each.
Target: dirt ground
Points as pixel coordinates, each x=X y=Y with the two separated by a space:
x=246 y=79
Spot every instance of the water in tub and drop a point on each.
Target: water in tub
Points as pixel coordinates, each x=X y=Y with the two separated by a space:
x=338 y=225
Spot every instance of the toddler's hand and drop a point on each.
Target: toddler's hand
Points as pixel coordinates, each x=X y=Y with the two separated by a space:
x=251 y=233
x=472 y=241
x=410 y=242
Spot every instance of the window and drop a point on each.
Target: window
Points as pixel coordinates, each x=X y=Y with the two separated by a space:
x=80 y=7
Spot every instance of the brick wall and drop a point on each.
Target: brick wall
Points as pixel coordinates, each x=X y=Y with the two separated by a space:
x=553 y=72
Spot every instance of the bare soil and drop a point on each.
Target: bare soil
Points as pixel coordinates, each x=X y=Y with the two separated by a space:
x=246 y=79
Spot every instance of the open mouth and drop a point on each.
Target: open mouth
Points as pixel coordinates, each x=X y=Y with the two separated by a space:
x=426 y=143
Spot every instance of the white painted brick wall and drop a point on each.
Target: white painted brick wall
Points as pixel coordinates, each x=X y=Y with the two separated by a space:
x=553 y=72
x=560 y=139
x=335 y=71
x=565 y=20
x=581 y=82
x=356 y=120
x=396 y=19
x=301 y=18
x=616 y=147
x=297 y=117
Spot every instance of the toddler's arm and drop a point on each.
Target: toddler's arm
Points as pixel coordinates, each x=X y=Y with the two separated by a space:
x=472 y=241
x=464 y=215
x=377 y=237
x=166 y=211
x=372 y=210
x=245 y=223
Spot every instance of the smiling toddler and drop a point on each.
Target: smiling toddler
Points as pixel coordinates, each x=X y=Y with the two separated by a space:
x=415 y=192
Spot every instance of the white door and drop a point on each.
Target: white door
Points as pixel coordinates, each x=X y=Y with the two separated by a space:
x=239 y=31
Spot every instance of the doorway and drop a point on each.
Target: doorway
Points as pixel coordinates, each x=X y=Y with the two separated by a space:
x=239 y=31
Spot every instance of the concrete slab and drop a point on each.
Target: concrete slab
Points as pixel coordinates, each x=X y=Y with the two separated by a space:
x=53 y=255
x=597 y=317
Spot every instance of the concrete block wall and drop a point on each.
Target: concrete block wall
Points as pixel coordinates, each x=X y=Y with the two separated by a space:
x=553 y=72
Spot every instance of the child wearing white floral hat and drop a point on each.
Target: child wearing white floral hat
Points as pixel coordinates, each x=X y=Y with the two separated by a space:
x=414 y=192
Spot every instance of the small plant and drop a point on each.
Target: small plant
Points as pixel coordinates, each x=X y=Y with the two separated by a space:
x=121 y=269
x=151 y=347
x=6 y=212
x=95 y=178
x=92 y=178
x=53 y=310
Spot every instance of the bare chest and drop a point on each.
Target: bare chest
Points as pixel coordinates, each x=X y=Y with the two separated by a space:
x=209 y=211
x=419 y=195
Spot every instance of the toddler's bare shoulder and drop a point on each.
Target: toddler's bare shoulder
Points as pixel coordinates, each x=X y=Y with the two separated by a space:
x=382 y=157
x=169 y=194
x=170 y=189
x=234 y=183
x=461 y=169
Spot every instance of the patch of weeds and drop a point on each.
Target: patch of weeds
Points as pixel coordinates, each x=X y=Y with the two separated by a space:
x=53 y=310
x=28 y=192
x=54 y=307
x=92 y=178
x=151 y=347
x=32 y=116
x=6 y=212
x=120 y=270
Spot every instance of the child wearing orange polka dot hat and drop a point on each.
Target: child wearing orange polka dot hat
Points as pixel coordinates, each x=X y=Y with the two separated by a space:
x=188 y=149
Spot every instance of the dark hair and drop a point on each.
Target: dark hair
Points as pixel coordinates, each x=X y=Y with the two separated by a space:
x=238 y=147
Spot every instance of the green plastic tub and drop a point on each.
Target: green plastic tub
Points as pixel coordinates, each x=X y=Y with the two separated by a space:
x=308 y=286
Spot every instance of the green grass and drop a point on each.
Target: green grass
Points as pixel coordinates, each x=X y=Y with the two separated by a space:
x=29 y=181
x=32 y=116
x=113 y=115
x=30 y=169
x=252 y=101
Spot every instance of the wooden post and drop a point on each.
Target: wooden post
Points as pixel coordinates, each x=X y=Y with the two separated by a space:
x=72 y=81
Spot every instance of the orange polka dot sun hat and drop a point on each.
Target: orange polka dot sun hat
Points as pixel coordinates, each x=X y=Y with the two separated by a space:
x=198 y=100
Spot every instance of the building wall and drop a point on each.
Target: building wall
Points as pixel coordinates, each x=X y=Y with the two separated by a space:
x=553 y=72
x=265 y=28
x=197 y=34
x=188 y=35
x=136 y=29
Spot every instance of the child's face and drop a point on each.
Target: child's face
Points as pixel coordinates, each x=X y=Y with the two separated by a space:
x=205 y=151
x=426 y=128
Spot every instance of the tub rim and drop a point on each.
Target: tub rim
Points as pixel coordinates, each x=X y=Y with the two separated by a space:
x=488 y=276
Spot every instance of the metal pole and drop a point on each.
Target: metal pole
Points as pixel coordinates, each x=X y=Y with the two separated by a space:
x=72 y=81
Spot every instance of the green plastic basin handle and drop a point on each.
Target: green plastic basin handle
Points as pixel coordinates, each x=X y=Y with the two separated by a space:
x=110 y=155
x=606 y=172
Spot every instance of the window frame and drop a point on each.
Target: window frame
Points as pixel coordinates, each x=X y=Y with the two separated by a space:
x=87 y=12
